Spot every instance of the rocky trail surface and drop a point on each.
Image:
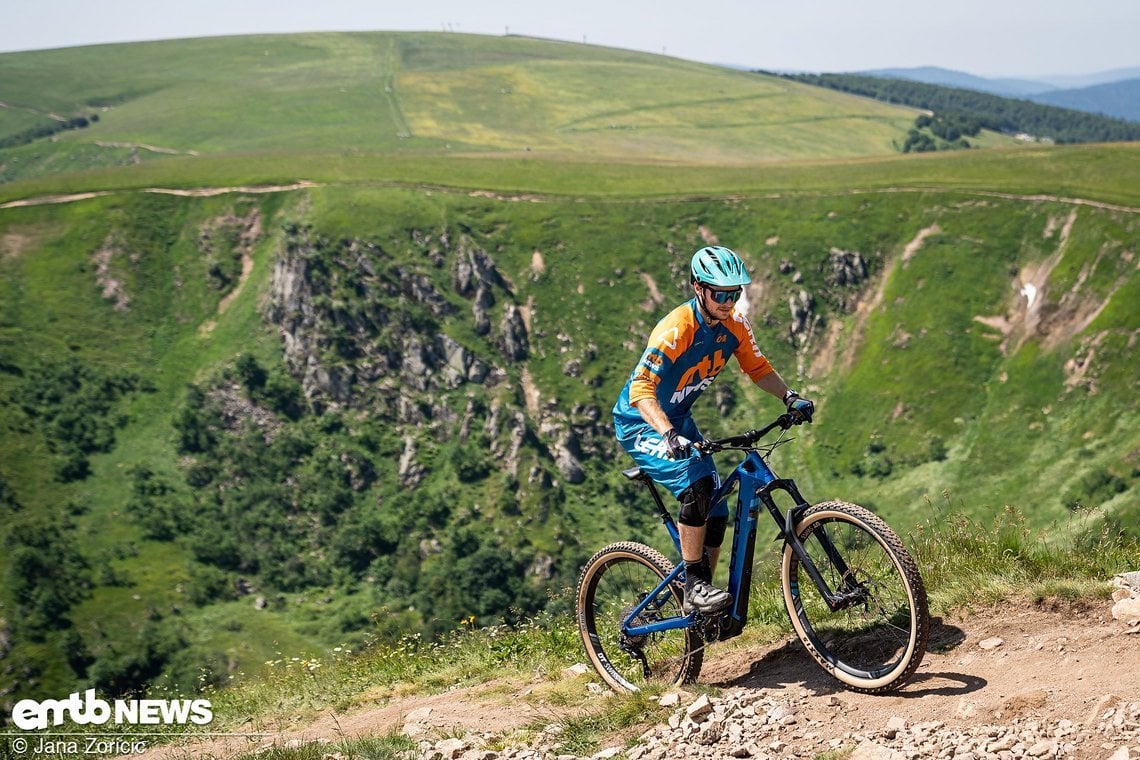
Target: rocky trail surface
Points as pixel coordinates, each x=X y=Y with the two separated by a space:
x=1024 y=680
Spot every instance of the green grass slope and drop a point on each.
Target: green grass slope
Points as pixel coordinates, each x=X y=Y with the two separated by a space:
x=442 y=94
x=921 y=401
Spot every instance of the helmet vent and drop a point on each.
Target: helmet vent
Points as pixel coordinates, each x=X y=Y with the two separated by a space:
x=719 y=267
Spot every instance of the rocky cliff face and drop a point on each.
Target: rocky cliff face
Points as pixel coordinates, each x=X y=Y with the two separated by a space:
x=360 y=329
x=357 y=327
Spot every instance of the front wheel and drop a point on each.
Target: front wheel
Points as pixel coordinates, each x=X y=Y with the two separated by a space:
x=876 y=638
x=612 y=584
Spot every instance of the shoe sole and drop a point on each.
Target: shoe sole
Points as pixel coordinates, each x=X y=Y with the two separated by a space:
x=689 y=610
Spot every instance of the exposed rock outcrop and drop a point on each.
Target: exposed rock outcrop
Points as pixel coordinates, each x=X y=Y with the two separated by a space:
x=845 y=268
x=803 y=317
x=474 y=277
x=362 y=329
x=409 y=470
x=508 y=431
x=352 y=319
x=513 y=340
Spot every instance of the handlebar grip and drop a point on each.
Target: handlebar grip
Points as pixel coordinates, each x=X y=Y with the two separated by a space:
x=784 y=421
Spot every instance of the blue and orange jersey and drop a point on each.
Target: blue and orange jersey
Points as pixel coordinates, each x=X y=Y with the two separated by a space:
x=682 y=359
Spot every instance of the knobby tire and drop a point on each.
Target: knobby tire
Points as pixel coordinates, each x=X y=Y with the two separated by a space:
x=611 y=584
x=878 y=642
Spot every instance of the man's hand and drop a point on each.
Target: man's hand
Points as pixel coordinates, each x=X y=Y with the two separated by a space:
x=679 y=446
x=801 y=409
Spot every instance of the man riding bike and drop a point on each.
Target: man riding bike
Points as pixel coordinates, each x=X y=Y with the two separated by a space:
x=652 y=420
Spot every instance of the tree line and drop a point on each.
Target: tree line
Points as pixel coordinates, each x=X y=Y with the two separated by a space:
x=1006 y=115
x=47 y=130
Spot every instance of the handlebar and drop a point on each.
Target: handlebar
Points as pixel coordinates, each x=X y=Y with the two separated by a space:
x=745 y=440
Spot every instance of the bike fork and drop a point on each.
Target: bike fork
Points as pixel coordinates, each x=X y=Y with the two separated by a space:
x=836 y=599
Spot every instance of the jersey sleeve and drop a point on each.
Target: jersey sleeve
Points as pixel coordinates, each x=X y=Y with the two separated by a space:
x=748 y=355
x=667 y=343
x=646 y=377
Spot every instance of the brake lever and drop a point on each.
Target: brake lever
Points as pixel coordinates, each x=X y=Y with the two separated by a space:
x=702 y=447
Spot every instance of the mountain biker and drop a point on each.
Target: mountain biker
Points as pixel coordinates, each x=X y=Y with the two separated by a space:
x=652 y=420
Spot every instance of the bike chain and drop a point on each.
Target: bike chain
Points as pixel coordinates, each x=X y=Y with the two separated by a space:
x=700 y=629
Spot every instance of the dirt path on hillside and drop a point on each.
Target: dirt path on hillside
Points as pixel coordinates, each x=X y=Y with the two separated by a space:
x=1042 y=662
x=198 y=192
x=987 y=667
x=538 y=198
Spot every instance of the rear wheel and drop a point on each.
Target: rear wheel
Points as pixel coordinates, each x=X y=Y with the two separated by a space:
x=612 y=584
x=876 y=639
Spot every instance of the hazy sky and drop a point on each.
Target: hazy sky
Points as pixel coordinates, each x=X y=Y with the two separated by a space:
x=984 y=37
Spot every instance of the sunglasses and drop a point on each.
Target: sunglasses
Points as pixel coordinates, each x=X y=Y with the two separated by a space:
x=724 y=296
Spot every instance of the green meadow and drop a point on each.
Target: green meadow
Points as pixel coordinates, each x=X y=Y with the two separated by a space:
x=415 y=94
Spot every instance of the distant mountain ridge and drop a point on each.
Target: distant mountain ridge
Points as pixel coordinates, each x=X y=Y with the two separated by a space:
x=949 y=78
x=407 y=91
x=1078 y=81
x=1113 y=93
x=1119 y=99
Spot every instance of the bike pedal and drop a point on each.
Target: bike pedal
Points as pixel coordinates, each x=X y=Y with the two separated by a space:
x=712 y=627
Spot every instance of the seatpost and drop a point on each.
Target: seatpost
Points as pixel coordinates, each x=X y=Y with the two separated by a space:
x=637 y=474
x=657 y=500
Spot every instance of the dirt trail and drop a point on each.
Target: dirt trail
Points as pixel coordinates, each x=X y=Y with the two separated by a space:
x=539 y=198
x=199 y=192
x=1054 y=662
x=1049 y=664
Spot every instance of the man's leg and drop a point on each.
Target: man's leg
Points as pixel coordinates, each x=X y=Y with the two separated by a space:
x=715 y=528
x=692 y=542
x=692 y=525
x=714 y=555
x=692 y=481
x=693 y=545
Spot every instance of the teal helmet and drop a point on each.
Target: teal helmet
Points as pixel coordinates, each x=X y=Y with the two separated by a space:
x=718 y=267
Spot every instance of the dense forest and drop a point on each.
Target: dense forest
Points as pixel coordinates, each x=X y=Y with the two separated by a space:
x=1006 y=115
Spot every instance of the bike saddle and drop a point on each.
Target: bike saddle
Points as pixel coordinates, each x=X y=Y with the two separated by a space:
x=634 y=473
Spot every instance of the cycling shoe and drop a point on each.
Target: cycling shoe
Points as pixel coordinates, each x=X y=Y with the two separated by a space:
x=704 y=597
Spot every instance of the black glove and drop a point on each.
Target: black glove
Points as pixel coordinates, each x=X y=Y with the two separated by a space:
x=801 y=409
x=679 y=446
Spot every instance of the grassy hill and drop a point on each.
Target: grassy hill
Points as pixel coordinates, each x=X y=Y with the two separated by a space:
x=416 y=93
x=251 y=422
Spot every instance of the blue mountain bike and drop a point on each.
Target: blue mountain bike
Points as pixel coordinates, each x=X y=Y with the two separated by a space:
x=853 y=593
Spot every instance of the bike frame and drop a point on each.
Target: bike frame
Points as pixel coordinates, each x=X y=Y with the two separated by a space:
x=757 y=483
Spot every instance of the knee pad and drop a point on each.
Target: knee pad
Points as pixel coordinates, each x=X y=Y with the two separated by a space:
x=714 y=531
x=696 y=500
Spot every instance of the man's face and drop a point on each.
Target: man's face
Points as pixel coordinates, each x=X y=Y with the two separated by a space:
x=718 y=302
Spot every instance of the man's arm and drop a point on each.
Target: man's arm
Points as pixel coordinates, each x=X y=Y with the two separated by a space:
x=801 y=409
x=651 y=411
x=678 y=446
x=774 y=384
